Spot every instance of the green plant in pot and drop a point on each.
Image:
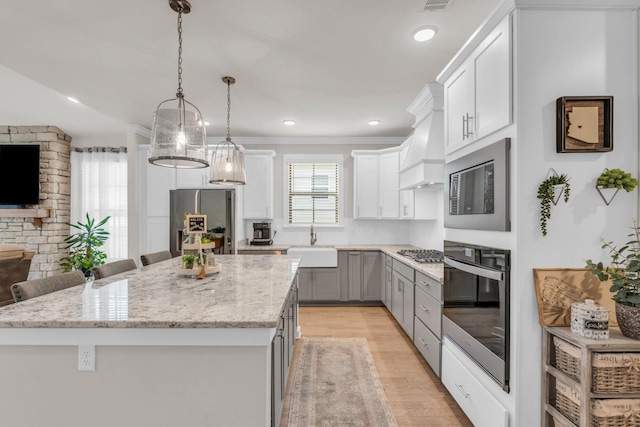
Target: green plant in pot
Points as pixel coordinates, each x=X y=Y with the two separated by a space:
x=617 y=178
x=611 y=181
x=219 y=231
x=188 y=260
x=623 y=271
x=547 y=195
x=84 y=246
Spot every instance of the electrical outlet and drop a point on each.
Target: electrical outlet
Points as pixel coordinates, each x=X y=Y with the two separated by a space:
x=86 y=358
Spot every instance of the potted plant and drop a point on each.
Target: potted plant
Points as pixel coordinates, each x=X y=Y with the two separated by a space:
x=611 y=181
x=550 y=191
x=219 y=231
x=623 y=271
x=188 y=260
x=84 y=252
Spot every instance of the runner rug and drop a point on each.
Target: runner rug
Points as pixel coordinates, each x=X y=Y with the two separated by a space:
x=336 y=384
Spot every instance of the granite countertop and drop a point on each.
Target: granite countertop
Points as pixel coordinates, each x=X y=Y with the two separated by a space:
x=433 y=270
x=249 y=292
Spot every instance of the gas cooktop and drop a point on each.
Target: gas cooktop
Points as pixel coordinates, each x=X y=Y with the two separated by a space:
x=422 y=255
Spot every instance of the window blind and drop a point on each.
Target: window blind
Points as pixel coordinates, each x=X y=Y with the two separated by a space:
x=313 y=193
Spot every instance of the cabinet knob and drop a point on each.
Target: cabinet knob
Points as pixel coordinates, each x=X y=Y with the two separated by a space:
x=424 y=308
x=423 y=343
x=425 y=283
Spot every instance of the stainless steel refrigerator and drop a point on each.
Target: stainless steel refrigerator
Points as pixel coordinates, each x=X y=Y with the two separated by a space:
x=219 y=207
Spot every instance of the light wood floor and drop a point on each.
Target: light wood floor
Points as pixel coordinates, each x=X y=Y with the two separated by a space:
x=416 y=395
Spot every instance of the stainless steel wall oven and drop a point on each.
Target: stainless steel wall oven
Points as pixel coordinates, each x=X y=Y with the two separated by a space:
x=476 y=305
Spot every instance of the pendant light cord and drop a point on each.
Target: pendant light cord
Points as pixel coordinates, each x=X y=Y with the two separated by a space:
x=179 y=93
x=228 y=110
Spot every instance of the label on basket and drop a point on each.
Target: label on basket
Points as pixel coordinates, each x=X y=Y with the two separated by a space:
x=617 y=360
x=607 y=408
x=566 y=390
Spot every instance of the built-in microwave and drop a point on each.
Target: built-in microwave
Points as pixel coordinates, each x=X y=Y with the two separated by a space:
x=477 y=186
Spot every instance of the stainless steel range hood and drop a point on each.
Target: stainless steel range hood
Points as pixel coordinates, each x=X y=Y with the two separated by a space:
x=423 y=165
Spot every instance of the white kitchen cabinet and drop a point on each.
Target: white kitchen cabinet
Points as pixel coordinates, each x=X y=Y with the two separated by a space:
x=458 y=92
x=388 y=184
x=477 y=95
x=258 y=191
x=376 y=184
x=476 y=401
x=192 y=178
x=407 y=204
x=365 y=182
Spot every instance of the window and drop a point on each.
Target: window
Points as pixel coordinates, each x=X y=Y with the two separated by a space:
x=99 y=188
x=313 y=190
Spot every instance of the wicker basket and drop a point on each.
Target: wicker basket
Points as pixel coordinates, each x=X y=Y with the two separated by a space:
x=615 y=413
x=615 y=373
x=567 y=358
x=568 y=402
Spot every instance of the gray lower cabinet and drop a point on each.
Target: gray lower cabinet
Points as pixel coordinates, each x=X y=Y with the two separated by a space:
x=281 y=354
x=371 y=262
x=360 y=275
x=318 y=284
x=402 y=296
x=385 y=280
x=428 y=320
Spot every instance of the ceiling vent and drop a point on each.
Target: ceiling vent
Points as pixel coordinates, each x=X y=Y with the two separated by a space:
x=432 y=5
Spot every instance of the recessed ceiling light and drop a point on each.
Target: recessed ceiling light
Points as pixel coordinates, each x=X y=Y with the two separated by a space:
x=206 y=123
x=289 y=122
x=73 y=99
x=423 y=34
x=373 y=122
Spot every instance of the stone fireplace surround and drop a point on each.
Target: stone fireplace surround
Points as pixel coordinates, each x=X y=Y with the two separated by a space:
x=55 y=195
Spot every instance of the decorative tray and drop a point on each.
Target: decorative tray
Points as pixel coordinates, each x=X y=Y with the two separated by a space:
x=195 y=271
x=195 y=246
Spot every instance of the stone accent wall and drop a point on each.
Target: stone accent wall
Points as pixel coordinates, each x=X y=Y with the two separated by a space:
x=55 y=194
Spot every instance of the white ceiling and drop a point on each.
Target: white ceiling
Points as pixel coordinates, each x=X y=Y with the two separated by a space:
x=330 y=65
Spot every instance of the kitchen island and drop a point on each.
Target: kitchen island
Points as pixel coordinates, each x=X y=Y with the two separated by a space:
x=170 y=350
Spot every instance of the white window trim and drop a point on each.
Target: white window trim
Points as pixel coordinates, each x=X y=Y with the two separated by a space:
x=312 y=158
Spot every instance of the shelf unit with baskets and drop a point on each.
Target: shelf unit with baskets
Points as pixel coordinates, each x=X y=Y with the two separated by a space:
x=590 y=382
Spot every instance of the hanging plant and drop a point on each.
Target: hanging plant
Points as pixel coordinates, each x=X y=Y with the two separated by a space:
x=547 y=194
x=611 y=181
x=617 y=178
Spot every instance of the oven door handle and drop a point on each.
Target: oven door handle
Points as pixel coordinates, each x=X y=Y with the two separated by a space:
x=472 y=269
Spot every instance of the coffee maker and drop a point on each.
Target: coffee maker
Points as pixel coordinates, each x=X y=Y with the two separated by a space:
x=262 y=234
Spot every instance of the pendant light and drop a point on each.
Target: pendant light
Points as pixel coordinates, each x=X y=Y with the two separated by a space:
x=227 y=161
x=178 y=137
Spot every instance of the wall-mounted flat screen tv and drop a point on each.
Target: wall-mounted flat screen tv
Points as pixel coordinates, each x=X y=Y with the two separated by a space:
x=19 y=174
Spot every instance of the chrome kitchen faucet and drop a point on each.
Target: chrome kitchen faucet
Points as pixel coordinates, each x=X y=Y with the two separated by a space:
x=313 y=236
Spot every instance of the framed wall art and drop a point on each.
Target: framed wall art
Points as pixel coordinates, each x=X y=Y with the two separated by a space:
x=584 y=124
x=558 y=288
